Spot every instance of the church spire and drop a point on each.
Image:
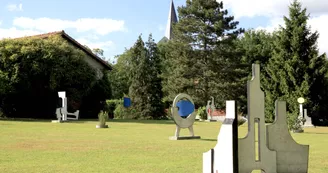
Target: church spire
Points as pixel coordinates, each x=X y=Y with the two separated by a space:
x=171 y=19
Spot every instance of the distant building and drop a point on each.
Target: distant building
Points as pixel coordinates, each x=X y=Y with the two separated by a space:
x=172 y=18
x=92 y=59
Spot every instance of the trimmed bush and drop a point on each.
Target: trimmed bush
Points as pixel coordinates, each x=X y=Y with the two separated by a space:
x=111 y=106
x=202 y=112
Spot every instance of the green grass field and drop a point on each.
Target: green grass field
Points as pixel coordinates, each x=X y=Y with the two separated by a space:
x=127 y=146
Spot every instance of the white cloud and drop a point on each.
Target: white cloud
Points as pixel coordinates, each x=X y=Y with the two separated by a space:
x=271 y=8
x=98 y=26
x=15 y=33
x=104 y=45
x=315 y=23
x=276 y=9
x=319 y=24
x=15 y=7
x=273 y=24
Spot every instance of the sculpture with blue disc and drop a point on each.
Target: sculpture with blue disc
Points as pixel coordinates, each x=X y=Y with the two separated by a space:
x=183 y=114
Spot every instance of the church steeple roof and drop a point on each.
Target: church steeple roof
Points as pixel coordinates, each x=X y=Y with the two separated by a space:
x=171 y=19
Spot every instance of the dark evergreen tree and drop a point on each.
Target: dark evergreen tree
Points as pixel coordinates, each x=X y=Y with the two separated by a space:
x=202 y=56
x=155 y=92
x=296 y=69
x=120 y=75
x=140 y=80
x=145 y=89
x=257 y=47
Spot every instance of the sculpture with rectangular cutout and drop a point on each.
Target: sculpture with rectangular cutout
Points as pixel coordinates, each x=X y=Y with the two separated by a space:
x=62 y=113
x=269 y=148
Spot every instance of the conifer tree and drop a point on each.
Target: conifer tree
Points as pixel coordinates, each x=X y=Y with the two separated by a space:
x=139 y=87
x=296 y=69
x=155 y=92
x=146 y=84
x=202 y=56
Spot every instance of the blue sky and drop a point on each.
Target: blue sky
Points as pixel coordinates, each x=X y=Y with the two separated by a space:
x=114 y=25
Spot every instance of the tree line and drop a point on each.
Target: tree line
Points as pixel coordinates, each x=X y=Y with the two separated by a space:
x=210 y=55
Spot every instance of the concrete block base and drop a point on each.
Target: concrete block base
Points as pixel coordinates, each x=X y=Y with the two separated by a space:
x=211 y=121
x=101 y=126
x=56 y=121
x=298 y=131
x=183 y=137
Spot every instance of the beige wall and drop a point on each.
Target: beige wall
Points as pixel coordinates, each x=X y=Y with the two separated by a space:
x=95 y=64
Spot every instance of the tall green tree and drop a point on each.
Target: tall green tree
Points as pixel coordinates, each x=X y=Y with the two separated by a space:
x=120 y=75
x=155 y=92
x=257 y=47
x=204 y=60
x=140 y=81
x=296 y=69
x=146 y=84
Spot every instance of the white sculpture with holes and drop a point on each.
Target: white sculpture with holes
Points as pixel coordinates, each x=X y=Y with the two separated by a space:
x=62 y=113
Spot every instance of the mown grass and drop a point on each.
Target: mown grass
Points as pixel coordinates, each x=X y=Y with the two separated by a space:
x=127 y=146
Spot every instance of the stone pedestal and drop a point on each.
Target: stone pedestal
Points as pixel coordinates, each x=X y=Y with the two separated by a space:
x=210 y=120
x=101 y=126
x=308 y=120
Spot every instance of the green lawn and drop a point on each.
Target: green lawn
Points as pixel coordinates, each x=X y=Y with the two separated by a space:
x=127 y=146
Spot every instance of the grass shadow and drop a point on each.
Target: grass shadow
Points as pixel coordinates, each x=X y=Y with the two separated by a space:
x=142 y=121
x=316 y=133
x=41 y=120
x=210 y=140
x=91 y=120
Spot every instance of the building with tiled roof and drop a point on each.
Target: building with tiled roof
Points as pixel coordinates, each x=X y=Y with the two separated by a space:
x=92 y=59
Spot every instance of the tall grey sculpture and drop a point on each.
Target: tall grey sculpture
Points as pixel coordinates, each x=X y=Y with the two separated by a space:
x=275 y=152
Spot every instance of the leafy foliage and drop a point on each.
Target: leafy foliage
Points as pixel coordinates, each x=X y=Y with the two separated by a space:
x=96 y=98
x=33 y=70
x=121 y=112
x=111 y=106
x=201 y=111
x=257 y=47
x=120 y=75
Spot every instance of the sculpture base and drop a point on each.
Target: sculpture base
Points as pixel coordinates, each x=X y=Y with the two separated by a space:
x=210 y=120
x=298 y=131
x=56 y=121
x=101 y=126
x=183 y=137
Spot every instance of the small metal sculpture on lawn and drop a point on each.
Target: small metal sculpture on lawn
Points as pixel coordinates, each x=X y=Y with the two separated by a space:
x=183 y=113
x=210 y=109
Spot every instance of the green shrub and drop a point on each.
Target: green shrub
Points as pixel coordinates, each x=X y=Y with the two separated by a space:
x=95 y=100
x=202 y=112
x=121 y=112
x=111 y=106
